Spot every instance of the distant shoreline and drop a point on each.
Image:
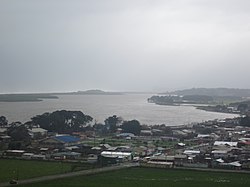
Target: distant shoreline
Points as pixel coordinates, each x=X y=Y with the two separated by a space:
x=25 y=97
x=37 y=97
x=207 y=108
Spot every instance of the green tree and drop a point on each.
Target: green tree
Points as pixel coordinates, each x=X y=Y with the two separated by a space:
x=19 y=135
x=63 y=121
x=242 y=107
x=3 y=121
x=245 y=121
x=112 y=123
x=100 y=128
x=132 y=126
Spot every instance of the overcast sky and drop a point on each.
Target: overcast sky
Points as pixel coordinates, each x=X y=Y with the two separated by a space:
x=123 y=45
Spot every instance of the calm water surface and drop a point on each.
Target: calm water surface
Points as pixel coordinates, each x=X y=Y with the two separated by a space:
x=129 y=106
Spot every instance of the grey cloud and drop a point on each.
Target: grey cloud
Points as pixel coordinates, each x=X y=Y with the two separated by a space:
x=123 y=45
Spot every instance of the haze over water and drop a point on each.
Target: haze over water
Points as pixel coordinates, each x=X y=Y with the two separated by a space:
x=128 y=106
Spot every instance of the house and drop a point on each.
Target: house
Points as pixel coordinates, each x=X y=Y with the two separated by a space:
x=203 y=136
x=219 y=163
x=120 y=155
x=146 y=133
x=231 y=144
x=140 y=151
x=179 y=159
x=38 y=132
x=72 y=148
x=109 y=157
x=246 y=164
x=84 y=149
x=4 y=142
x=14 y=153
x=157 y=132
x=179 y=133
x=220 y=153
x=180 y=145
x=27 y=155
x=244 y=142
x=191 y=154
x=66 y=155
x=124 y=148
x=126 y=135
x=155 y=164
x=3 y=130
x=159 y=161
x=162 y=158
x=5 y=138
x=92 y=158
x=105 y=146
x=169 y=138
x=60 y=141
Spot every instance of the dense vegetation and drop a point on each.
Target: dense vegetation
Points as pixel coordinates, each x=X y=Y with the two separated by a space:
x=3 y=121
x=198 y=98
x=132 y=126
x=20 y=137
x=65 y=122
x=164 y=99
x=213 y=92
x=148 y=177
x=112 y=123
x=245 y=121
x=217 y=99
x=173 y=99
x=62 y=121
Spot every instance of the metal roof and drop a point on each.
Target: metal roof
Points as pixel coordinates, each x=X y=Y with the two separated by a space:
x=225 y=143
x=109 y=153
x=67 y=138
x=190 y=152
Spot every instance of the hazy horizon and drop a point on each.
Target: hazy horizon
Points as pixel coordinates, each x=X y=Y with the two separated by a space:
x=119 y=91
x=113 y=45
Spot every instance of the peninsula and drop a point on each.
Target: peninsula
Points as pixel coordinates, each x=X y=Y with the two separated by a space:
x=26 y=97
x=226 y=100
x=36 y=97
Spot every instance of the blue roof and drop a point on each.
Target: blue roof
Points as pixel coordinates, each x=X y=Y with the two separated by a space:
x=67 y=139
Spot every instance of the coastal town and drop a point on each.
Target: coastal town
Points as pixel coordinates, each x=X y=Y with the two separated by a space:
x=219 y=144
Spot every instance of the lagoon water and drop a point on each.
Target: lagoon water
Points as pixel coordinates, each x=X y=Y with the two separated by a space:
x=128 y=106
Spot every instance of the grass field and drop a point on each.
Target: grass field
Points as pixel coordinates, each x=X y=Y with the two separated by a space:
x=23 y=169
x=149 y=177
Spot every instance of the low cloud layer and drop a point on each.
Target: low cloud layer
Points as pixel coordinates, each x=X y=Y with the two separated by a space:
x=139 y=45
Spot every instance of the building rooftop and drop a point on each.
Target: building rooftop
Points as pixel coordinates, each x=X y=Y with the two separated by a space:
x=218 y=143
x=36 y=130
x=67 y=138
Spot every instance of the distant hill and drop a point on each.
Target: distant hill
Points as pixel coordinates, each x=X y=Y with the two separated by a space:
x=28 y=97
x=221 y=92
x=95 y=92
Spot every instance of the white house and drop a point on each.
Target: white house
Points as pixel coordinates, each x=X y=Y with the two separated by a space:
x=38 y=132
x=222 y=143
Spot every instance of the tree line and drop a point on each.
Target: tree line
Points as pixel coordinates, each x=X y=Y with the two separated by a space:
x=67 y=122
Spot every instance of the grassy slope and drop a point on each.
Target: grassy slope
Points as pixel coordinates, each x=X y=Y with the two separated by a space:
x=28 y=169
x=146 y=177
